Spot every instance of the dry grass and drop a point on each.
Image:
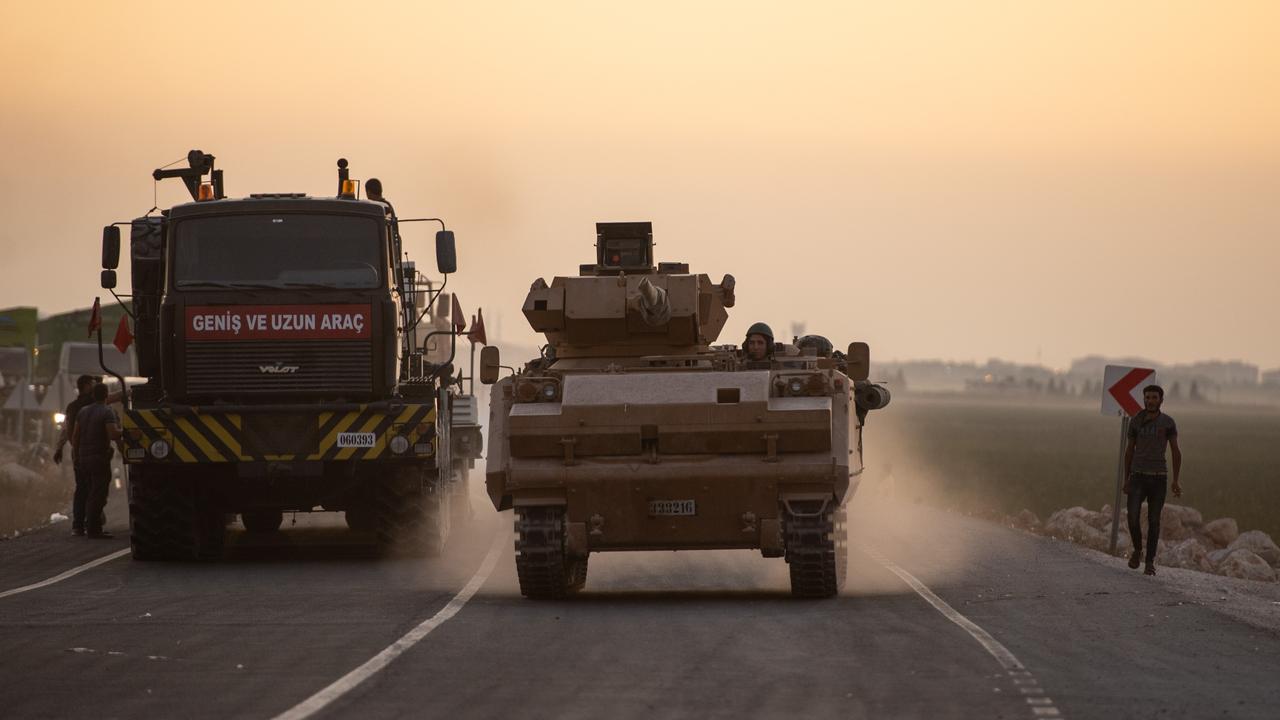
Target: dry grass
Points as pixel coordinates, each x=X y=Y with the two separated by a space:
x=992 y=456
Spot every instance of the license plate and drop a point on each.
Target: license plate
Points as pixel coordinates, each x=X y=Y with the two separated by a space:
x=672 y=507
x=356 y=440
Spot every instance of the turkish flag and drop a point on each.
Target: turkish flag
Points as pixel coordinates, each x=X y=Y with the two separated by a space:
x=459 y=319
x=124 y=338
x=95 y=317
x=477 y=329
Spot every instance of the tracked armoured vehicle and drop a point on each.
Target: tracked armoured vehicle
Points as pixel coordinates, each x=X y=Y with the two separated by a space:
x=633 y=432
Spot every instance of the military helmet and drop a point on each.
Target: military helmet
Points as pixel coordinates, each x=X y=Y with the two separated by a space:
x=821 y=345
x=761 y=329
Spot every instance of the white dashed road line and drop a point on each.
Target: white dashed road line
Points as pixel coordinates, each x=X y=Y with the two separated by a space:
x=1041 y=707
x=68 y=574
x=372 y=666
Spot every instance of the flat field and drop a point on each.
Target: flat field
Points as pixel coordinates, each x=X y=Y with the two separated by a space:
x=1000 y=455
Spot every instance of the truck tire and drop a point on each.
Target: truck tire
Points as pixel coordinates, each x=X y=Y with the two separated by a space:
x=816 y=549
x=545 y=570
x=161 y=517
x=168 y=521
x=410 y=518
x=262 y=521
x=360 y=517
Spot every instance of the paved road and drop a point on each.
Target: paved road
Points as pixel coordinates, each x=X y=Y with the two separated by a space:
x=1067 y=633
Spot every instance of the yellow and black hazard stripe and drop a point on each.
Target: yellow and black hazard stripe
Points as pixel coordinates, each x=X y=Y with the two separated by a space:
x=214 y=437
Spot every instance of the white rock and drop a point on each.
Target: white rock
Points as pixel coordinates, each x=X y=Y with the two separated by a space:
x=1068 y=524
x=1189 y=554
x=1222 y=531
x=1242 y=563
x=1188 y=516
x=1079 y=525
x=1176 y=522
x=1025 y=520
x=1260 y=544
x=15 y=478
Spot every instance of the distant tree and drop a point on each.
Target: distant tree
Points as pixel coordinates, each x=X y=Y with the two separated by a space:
x=1194 y=395
x=1176 y=391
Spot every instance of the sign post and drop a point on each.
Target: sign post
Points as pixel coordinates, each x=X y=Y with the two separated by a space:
x=1122 y=396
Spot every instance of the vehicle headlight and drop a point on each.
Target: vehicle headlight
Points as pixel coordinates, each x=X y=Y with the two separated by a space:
x=59 y=418
x=160 y=449
x=796 y=386
x=549 y=391
x=399 y=444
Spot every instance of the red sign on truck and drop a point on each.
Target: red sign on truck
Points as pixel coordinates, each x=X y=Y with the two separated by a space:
x=278 y=322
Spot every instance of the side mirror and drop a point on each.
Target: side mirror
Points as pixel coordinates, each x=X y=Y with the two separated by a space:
x=110 y=249
x=446 y=253
x=489 y=364
x=859 y=359
x=109 y=279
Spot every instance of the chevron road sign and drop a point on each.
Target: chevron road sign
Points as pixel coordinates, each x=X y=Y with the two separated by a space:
x=1122 y=389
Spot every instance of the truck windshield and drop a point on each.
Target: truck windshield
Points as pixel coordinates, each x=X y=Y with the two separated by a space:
x=278 y=251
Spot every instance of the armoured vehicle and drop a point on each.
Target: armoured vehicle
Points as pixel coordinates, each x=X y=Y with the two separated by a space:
x=285 y=341
x=633 y=432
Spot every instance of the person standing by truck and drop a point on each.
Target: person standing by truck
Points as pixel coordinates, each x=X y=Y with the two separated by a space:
x=1147 y=475
x=96 y=429
x=84 y=388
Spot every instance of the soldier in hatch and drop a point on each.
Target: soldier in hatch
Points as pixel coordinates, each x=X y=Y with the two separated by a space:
x=758 y=346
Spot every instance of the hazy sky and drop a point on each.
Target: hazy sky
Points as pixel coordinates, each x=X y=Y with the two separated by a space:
x=957 y=180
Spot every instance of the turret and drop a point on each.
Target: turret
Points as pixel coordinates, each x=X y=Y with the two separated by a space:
x=625 y=306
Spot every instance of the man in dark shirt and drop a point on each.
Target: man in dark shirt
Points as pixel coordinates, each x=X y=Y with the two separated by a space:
x=84 y=386
x=1147 y=475
x=96 y=430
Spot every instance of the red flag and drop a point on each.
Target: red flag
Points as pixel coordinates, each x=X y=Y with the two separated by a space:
x=459 y=320
x=95 y=318
x=477 y=329
x=124 y=338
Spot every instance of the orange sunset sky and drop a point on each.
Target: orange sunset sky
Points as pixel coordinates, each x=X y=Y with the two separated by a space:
x=963 y=180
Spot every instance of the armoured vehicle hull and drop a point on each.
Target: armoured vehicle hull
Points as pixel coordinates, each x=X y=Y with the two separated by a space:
x=634 y=433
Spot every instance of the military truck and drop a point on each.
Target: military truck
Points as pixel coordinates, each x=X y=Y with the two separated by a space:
x=633 y=432
x=283 y=338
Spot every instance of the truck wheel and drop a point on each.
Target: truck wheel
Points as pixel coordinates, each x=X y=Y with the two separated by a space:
x=262 y=521
x=360 y=518
x=161 y=517
x=545 y=570
x=410 y=518
x=816 y=549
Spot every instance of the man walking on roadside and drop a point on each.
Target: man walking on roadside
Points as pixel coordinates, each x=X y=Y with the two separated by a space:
x=84 y=386
x=1146 y=475
x=96 y=429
